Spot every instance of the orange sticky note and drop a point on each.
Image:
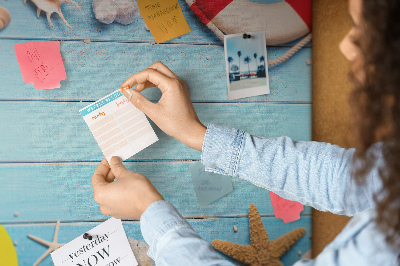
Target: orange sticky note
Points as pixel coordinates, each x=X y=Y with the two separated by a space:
x=164 y=18
x=284 y=209
x=41 y=64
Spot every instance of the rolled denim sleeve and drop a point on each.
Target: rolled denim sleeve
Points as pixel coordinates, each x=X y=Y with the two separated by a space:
x=313 y=173
x=172 y=241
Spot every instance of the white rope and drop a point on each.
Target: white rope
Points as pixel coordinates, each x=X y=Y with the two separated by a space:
x=291 y=51
x=272 y=62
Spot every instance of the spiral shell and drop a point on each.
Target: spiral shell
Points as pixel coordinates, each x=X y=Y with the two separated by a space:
x=5 y=17
x=52 y=6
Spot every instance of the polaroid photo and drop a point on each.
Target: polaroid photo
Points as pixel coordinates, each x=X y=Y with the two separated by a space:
x=246 y=64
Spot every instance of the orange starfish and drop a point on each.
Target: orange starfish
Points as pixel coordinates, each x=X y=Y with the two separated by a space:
x=261 y=251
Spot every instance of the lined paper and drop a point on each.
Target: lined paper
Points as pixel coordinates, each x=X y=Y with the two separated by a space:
x=118 y=126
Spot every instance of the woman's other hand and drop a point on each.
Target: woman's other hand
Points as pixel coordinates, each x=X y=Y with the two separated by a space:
x=173 y=113
x=126 y=198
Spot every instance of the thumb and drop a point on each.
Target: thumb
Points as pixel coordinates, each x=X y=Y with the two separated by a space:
x=117 y=167
x=99 y=176
x=138 y=100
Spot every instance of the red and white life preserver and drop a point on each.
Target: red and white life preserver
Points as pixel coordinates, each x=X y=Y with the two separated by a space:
x=282 y=22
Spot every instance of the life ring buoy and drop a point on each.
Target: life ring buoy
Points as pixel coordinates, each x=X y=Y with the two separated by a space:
x=282 y=22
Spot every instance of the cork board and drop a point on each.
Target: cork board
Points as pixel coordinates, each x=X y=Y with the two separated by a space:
x=331 y=88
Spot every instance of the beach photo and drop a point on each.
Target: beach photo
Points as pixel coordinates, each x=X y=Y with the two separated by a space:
x=246 y=64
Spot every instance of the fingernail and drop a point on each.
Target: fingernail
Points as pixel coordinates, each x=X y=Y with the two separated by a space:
x=115 y=160
x=128 y=94
x=124 y=88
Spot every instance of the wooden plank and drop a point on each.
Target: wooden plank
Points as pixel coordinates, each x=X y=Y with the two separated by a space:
x=28 y=251
x=84 y=25
x=55 y=131
x=95 y=69
x=67 y=192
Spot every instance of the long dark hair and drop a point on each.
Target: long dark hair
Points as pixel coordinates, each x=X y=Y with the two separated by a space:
x=375 y=103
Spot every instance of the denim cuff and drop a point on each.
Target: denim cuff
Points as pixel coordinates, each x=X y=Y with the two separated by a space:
x=158 y=219
x=222 y=148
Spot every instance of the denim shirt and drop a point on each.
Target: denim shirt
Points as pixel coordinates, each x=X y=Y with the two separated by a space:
x=312 y=173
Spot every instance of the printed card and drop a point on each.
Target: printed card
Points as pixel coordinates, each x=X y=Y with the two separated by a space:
x=246 y=64
x=118 y=126
x=209 y=186
x=108 y=246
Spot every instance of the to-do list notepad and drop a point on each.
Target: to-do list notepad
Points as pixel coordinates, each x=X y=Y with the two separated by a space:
x=118 y=126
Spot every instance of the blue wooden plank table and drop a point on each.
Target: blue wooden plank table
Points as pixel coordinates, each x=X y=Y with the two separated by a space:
x=48 y=155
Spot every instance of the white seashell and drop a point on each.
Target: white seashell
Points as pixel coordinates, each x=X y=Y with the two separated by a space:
x=5 y=17
x=52 y=6
x=121 y=11
x=140 y=250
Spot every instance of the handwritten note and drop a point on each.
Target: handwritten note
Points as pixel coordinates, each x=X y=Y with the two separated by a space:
x=108 y=246
x=118 y=126
x=164 y=18
x=284 y=209
x=41 y=64
x=209 y=186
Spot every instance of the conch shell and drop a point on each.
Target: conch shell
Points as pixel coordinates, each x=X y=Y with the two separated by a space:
x=52 y=6
x=5 y=17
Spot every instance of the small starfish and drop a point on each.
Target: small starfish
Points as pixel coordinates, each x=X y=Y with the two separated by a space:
x=52 y=245
x=261 y=251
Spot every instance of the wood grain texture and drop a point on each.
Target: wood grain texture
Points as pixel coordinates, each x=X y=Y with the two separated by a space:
x=55 y=131
x=95 y=69
x=84 y=25
x=209 y=229
x=67 y=192
x=48 y=155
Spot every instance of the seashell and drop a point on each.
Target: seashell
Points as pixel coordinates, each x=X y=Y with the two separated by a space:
x=52 y=6
x=121 y=11
x=5 y=17
x=140 y=250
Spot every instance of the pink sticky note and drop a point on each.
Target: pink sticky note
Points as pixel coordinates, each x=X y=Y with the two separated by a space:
x=284 y=209
x=41 y=64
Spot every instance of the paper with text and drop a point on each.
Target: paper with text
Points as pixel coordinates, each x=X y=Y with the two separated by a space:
x=164 y=18
x=41 y=64
x=209 y=186
x=109 y=246
x=284 y=209
x=118 y=126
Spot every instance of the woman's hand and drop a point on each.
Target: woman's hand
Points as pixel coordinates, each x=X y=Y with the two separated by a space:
x=127 y=197
x=173 y=113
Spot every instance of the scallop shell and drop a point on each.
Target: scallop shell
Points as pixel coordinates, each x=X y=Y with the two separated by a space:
x=5 y=17
x=121 y=11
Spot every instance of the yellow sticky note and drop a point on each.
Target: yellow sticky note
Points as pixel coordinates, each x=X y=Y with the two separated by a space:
x=164 y=18
x=8 y=255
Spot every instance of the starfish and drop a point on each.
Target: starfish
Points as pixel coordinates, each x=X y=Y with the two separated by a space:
x=52 y=245
x=261 y=251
